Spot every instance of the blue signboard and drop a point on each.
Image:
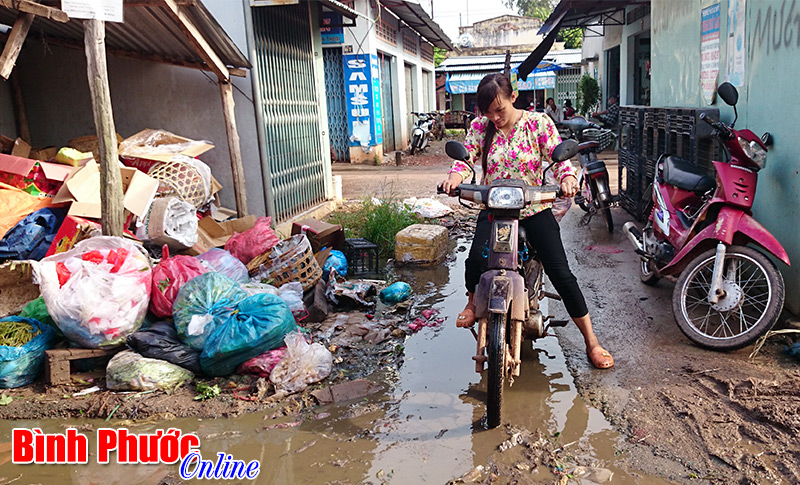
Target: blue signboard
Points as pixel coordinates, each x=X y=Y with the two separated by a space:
x=332 y=35
x=362 y=93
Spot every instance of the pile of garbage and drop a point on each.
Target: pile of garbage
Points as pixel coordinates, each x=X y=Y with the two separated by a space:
x=183 y=294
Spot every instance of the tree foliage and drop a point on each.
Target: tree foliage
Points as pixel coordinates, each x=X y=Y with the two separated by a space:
x=588 y=94
x=438 y=55
x=541 y=9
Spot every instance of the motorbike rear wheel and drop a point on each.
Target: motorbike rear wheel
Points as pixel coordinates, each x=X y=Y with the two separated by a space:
x=604 y=209
x=754 y=296
x=496 y=350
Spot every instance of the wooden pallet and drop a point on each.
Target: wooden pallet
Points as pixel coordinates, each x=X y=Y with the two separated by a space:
x=56 y=369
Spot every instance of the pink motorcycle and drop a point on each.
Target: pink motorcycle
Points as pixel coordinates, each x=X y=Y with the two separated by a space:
x=728 y=294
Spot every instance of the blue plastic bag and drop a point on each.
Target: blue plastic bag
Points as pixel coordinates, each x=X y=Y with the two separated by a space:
x=202 y=304
x=31 y=237
x=337 y=261
x=226 y=263
x=19 y=366
x=395 y=293
x=259 y=325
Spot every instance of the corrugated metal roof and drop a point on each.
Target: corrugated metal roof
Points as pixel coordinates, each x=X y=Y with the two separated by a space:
x=148 y=32
x=410 y=12
x=497 y=61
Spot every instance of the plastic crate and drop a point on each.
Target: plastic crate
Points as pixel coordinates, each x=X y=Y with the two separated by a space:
x=602 y=136
x=631 y=122
x=362 y=256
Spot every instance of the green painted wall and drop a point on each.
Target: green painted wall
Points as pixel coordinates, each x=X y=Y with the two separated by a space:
x=767 y=101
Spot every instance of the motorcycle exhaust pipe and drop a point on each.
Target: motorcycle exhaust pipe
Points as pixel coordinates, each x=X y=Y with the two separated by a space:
x=634 y=236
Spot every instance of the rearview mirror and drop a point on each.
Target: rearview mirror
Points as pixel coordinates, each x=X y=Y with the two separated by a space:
x=564 y=151
x=456 y=151
x=728 y=93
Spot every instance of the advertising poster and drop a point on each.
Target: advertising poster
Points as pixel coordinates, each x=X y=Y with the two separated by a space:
x=709 y=52
x=736 y=42
x=332 y=35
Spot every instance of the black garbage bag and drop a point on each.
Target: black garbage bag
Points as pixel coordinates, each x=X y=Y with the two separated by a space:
x=161 y=341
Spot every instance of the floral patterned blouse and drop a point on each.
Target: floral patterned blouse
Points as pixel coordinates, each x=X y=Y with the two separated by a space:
x=518 y=155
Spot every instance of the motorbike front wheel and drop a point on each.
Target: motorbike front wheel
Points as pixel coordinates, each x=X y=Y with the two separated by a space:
x=753 y=298
x=414 y=143
x=496 y=350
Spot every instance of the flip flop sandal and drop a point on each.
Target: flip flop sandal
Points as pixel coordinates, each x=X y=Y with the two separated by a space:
x=601 y=358
x=466 y=319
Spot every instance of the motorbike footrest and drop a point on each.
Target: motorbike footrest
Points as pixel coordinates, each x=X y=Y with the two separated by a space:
x=557 y=323
x=547 y=294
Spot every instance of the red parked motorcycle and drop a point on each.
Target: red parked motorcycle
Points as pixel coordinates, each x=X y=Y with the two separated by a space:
x=728 y=294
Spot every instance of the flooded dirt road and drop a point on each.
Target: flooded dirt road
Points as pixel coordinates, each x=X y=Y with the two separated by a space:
x=423 y=426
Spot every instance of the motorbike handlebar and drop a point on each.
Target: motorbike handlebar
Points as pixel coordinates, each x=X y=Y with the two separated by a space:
x=717 y=125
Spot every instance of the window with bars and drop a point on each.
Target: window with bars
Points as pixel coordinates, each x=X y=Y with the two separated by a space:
x=426 y=51
x=409 y=44
x=385 y=30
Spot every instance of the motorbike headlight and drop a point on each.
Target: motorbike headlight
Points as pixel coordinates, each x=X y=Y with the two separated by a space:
x=754 y=152
x=506 y=198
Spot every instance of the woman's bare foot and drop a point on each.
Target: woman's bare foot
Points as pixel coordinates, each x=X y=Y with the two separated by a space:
x=600 y=357
x=466 y=318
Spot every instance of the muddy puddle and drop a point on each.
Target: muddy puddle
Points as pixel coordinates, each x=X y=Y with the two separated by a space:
x=424 y=426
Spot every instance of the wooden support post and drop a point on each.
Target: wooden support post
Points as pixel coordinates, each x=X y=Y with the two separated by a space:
x=110 y=176
x=237 y=168
x=14 y=43
x=23 y=128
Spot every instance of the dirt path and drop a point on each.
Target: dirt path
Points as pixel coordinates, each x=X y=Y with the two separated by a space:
x=687 y=412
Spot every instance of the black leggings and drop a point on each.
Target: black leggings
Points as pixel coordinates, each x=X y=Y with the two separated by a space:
x=543 y=233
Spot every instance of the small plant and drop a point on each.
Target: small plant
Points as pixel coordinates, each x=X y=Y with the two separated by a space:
x=205 y=391
x=377 y=221
x=588 y=94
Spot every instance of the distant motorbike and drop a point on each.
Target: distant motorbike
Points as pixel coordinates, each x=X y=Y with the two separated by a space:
x=728 y=293
x=507 y=297
x=594 y=194
x=421 y=134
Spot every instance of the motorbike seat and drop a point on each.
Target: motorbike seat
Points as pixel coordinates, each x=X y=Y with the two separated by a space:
x=597 y=166
x=686 y=175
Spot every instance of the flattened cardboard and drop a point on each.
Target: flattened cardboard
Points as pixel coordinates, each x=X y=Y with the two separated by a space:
x=46 y=153
x=23 y=166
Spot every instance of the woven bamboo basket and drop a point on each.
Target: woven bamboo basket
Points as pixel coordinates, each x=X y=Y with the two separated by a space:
x=179 y=179
x=291 y=260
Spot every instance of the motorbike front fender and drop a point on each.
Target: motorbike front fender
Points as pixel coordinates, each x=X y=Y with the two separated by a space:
x=497 y=292
x=732 y=225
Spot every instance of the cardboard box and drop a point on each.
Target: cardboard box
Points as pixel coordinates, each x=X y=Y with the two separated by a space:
x=213 y=234
x=82 y=189
x=21 y=149
x=16 y=287
x=21 y=172
x=72 y=231
x=45 y=154
x=149 y=147
x=320 y=234
x=6 y=144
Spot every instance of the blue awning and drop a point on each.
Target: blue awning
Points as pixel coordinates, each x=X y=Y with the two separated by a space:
x=467 y=82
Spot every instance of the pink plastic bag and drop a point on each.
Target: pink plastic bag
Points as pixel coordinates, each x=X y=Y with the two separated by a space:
x=168 y=277
x=255 y=241
x=262 y=365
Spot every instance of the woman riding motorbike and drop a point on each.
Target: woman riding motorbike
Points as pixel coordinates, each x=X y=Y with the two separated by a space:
x=512 y=143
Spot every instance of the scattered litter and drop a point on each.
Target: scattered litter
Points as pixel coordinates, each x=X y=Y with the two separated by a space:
x=427 y=207
x=87 y=391
x=395 y=293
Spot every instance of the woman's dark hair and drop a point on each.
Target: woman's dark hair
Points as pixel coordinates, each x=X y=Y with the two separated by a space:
x=548 y=100
x=568 y=103
x=490 y=88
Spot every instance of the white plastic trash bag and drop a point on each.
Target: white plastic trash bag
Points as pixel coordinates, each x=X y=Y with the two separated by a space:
x=427 y=207
x=98 y=292
x=304 y=364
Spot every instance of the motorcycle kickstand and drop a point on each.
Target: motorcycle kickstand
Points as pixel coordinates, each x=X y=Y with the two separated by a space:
x=587 y=218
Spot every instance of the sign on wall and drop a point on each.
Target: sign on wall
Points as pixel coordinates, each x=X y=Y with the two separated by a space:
x=105 y=10
x=736 y=41
x=362 y=88
x=709 y=52
x=332 y=35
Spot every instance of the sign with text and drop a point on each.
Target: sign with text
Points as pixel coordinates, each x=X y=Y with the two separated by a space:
x=332 y=35
x=737 y=41
x=362 y=93
x=105 y=10
x=709 y=52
